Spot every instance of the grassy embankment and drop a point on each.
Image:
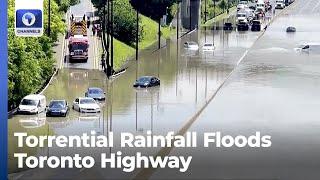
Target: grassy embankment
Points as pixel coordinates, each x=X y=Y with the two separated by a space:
x=122 y=51
x=219 y=17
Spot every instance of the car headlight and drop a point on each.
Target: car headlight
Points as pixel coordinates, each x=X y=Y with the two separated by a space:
x=146 y=84
x=63 y=111
x=72 y=53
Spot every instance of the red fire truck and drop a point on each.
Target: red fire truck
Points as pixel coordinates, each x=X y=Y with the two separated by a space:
x=78 y=40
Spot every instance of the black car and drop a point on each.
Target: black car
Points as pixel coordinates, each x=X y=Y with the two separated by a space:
x=256 y=25
x=227 y=26
x=147 y=81
x=243 y=26
x=291 y=29
x=58 y=108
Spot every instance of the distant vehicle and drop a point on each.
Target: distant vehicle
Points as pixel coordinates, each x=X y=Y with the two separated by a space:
x=191 y=45
x=86 y=105
x=288 y=2
x=241 y=6
x=260 y=5
x=280 y=4
x=227 y=26
x=78 y=48
x=242 y=16
x=58 y=108
x=308 y=47
x=96 y=93
x=208 y=47
x=32 y=104
x=78 y=42
x=147 y=81
x=256 y=25
x=291 y=29
x=243 y=26
x=259 y=13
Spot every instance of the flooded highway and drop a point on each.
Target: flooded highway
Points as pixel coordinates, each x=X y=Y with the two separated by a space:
x=274 y=90
x=188 y=78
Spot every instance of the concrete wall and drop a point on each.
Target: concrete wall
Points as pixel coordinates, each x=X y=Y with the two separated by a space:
x=195 y=13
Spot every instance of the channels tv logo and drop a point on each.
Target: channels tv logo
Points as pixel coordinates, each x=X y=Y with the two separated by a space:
x=28 y=19
x=29 y=22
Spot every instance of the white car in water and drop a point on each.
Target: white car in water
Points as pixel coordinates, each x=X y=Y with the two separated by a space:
x=208 y=47
x=191 y=45
x=86 y=105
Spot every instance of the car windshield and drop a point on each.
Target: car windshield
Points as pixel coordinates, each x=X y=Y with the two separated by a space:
x=79 y=46
x=144 y=79
x=208 y=45
x=192 y=43
x=56 y=104
x=241 y=15
x=29 y=102
x=87 y=101
x=95 y=91
x=256 y=22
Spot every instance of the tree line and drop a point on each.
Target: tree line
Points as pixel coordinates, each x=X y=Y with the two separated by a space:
x=30 y=59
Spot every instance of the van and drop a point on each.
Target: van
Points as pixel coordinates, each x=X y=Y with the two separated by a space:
x=261 y=5
x=32 y=104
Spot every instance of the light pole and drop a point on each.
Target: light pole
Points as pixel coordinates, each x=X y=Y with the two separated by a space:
x=137 y=32
x=49 y=18
x=178 y=18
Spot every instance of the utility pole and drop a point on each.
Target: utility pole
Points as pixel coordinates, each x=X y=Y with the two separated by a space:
x=112 y=34
x=214 y=18
x=159 y=32
x=49 y=18
x=137 y=32
x=178 y=18
x=190 y=9
x=205 y=11
x=109 y=71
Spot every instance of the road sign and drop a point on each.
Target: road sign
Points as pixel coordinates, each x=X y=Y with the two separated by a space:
x=29 y=18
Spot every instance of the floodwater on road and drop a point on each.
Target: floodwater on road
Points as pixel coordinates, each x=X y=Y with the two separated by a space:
x=188 y=78
x=275 y=90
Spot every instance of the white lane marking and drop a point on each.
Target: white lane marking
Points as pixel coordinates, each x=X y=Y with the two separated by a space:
x=242 y=57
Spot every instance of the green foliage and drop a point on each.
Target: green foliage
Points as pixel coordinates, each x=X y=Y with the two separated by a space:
x=215 y=9
x=31 y=60
x=124 y=21
x=65 y=4
x=155 y=9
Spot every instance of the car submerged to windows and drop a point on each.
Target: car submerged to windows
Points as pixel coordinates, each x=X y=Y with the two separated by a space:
x=96 y=93
x=147 y=81
x=208 y=47
x=191 y=45
x=86 y=105
x=57 y=108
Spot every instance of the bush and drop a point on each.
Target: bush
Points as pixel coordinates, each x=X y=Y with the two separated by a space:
x=30 y=62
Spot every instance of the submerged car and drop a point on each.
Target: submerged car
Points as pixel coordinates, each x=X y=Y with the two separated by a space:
x=256 y=25
x=57 y=108
x=86 y=105
x=191 y=45
x=208 y=47
x=227 y=26
x=147 y=81
x=96 y=93
x=32 y=104
x=291 y=29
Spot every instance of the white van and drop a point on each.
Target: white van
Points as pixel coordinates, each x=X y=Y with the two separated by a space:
x=261 y=5
x=32 y=104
